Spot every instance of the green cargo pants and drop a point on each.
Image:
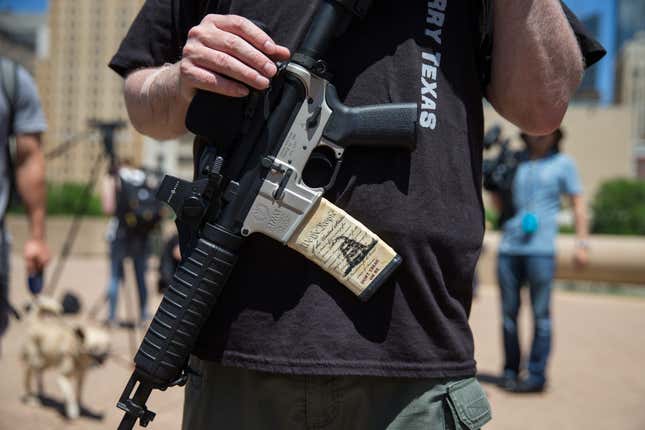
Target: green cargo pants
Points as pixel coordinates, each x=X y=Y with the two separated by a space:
x=238 y=399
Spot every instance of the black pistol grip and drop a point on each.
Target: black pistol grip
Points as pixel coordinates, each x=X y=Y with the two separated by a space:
x=386 y=125
x=186 y=305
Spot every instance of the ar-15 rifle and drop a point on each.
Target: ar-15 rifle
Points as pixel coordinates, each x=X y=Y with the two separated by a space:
x=254 y=185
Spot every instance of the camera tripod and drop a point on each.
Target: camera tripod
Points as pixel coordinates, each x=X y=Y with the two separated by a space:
x=107 y=131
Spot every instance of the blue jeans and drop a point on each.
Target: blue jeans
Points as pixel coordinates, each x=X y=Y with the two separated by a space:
x=140 y=261
x=512 y=272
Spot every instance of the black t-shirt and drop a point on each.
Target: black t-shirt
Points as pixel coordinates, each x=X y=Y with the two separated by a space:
x=281 y=313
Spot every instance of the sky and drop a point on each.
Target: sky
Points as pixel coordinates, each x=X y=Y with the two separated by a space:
x=33 y=6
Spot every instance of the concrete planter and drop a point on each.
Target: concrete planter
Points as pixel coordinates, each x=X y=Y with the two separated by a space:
x=89 y=242
x=614 y=259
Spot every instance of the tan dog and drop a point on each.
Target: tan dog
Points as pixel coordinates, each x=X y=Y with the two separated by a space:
x=69 y=349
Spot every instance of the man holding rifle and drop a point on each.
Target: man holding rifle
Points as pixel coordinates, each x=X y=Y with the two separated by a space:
x=286 y=346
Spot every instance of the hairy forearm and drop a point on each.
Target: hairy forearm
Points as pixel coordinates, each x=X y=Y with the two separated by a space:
x=30 y=181
x=155 y=103
x=224 y=54
x=537 y=63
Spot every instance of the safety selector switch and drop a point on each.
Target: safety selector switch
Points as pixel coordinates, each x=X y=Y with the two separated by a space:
x=284 y=171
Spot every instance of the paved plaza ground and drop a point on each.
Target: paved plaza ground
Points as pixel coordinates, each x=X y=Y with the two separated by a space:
x=597 y=371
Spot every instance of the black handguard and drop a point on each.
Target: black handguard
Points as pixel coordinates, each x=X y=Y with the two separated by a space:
x=172 y=334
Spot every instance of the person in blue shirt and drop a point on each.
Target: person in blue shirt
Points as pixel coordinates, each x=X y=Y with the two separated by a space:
x=527 y=251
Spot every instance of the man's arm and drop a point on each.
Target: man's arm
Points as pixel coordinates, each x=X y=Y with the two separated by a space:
x=496 y=200
x=537 y=64
x=108 y=195
x=30 y=180
x=581 y=255
x=221 y=53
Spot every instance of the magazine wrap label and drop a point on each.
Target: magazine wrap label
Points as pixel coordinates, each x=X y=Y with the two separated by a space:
x=343 y=247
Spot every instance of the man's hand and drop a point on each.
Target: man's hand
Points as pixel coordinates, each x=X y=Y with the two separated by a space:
x=224 y=49
x=36 y=255
x=580 y=257
x=581 y=254
x=224 y=54
x=176 y=253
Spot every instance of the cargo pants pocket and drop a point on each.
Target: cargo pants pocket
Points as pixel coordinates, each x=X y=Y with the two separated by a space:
x=467 y=405
x=193 y=388
x=195 y=404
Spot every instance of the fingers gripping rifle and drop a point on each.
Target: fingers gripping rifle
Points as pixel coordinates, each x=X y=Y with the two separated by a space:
x=255 y=185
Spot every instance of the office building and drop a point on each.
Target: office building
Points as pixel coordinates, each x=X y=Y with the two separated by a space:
x=76 y=85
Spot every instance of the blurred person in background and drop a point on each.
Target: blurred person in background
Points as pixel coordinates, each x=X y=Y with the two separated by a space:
x=22 y=117
x=122 y=193
x=527 y=251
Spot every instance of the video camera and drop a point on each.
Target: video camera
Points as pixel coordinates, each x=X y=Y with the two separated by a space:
x=499 y=171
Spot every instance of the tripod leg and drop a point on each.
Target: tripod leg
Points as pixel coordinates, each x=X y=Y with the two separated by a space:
x=75 y=227
x=129 y=315
x=96 y=307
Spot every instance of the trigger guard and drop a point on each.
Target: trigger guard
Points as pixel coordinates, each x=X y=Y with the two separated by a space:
x=329 y=164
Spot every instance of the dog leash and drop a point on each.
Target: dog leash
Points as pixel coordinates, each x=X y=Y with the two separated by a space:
x=4 y=301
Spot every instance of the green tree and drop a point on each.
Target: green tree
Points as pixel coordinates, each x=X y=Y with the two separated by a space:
x=66 y=199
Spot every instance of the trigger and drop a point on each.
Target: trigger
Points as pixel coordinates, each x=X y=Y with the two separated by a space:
x=332 y=180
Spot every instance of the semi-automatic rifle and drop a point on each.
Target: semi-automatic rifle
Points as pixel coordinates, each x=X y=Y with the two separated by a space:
x=253 y=183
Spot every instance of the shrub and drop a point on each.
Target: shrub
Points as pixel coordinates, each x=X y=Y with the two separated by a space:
x=492 y=219
x=66 y=199
x=619 y=208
